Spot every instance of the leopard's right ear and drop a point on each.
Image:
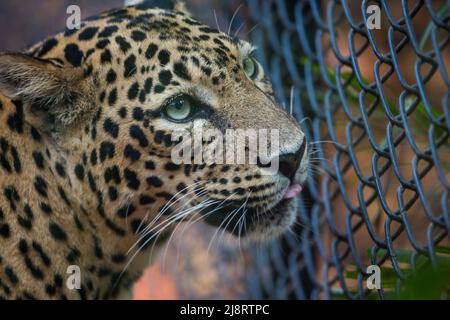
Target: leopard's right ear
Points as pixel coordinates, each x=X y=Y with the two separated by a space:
x=52 y=93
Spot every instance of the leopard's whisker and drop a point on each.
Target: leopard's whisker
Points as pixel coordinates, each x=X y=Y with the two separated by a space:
x=160 y=233
x=291 y=103
x=178 y=217
x=174 y=232
x=217 y=21
x=174 y=197
x=176 y=264
x=328 y=141
x=305 y=119
x=171 y=203
x=150 y=228
x=239 y=223
x=186 y=204
x=252 y=29
x=239 y=29
x=232 y=19
x=167 y=243
x=216 y=238
x=218 y=228
x=244 y=204
x=129 y=202
x=190 y=223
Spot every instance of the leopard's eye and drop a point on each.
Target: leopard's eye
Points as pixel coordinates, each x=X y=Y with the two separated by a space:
x=179 y=109
x=252 y=68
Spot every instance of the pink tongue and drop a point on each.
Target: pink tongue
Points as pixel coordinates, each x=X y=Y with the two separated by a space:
x=293 y=191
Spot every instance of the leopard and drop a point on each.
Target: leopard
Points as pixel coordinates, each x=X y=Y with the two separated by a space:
x=88 y=181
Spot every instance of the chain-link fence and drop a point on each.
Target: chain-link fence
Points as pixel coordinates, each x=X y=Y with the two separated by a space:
x=369 y=83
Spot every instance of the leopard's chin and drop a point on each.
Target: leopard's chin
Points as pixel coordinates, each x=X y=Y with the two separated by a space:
x=256 y=225
x=274 y=223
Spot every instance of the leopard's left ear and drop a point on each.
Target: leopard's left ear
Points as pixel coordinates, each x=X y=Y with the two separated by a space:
x=54 y=97
x=175 y=5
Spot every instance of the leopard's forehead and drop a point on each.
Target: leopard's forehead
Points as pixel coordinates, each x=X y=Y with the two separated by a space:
x=118 y=34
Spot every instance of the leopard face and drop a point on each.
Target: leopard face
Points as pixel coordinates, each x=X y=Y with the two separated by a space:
x=107 y=100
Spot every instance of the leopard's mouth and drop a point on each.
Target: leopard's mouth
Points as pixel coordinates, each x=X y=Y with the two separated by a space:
x=257 y=223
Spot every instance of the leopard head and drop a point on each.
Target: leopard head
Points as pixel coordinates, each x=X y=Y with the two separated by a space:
x=111 y=96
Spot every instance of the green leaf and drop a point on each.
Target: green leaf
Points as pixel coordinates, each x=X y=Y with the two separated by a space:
x=442 y=249
x=442 y=12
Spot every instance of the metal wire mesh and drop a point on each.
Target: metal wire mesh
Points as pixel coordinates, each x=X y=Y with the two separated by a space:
x=376 y=106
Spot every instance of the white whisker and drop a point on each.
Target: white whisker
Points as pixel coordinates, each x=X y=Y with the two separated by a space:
x=218 y=228
x=328 y=141
x=232 y=19
x=239 y=29
x=217 y=21
x=167 y=224
x=291 y=105
x=252 y=29
x=170 y=203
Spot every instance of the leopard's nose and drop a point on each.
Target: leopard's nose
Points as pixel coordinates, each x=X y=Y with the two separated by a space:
x=290 y=162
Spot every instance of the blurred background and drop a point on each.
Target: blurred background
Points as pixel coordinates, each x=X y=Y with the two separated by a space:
x=375 y=103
